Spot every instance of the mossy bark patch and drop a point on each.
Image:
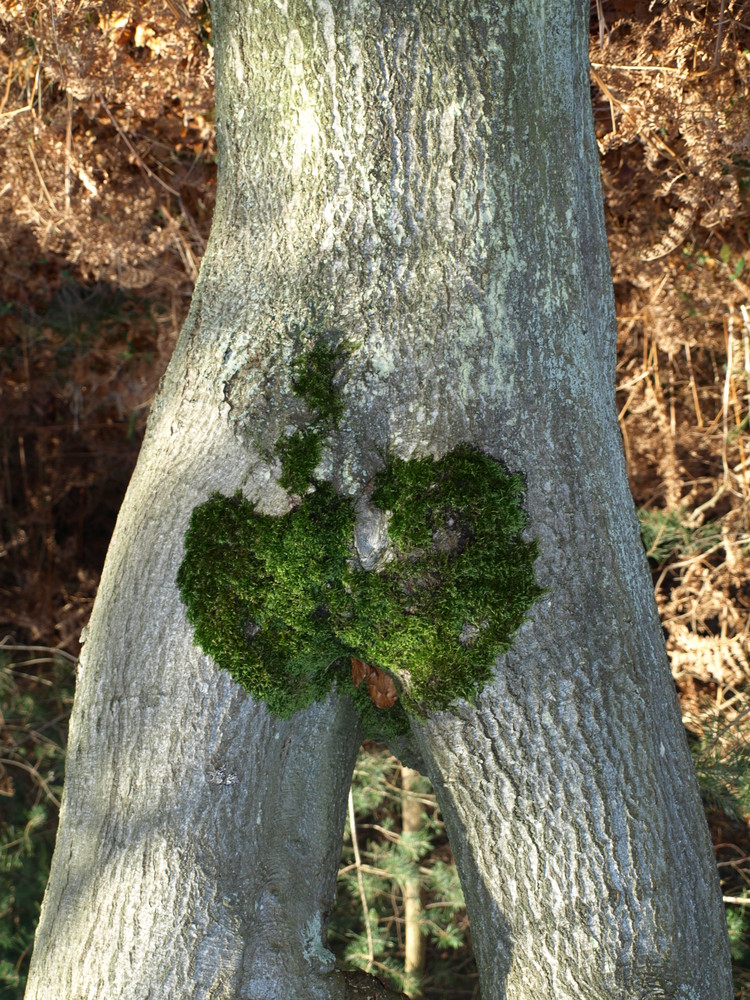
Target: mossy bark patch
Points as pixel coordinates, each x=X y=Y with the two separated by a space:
x=282 y=603
x=459 y=583
x=313 y=373
x=258 y=591
x=300 y=453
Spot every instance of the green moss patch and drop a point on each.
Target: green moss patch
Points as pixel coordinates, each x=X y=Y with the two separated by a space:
x=259 y=591
x=282 y=604
x=461 y=581
x=313 y=372
x=299 y=453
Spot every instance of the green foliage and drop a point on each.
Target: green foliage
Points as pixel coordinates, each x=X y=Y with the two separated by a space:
x=738 y=925
x=388 y=858
x=24 y=865
x=721 y=755
x=35 y=710
x=722 y=762
x=203 y=25
x=83 y=314
x=667 y=534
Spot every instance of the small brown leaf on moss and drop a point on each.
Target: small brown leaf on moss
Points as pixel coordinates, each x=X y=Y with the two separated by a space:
x=360 y=671
x=382 y=689
x=380 y=684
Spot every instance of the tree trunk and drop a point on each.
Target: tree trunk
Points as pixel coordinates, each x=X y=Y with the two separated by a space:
x=199 y=836
x=423 y=180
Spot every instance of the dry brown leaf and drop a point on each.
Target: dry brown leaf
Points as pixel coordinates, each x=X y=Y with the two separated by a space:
x=380 y=685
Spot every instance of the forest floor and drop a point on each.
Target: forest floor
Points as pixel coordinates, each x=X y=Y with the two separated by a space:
x=106 y=196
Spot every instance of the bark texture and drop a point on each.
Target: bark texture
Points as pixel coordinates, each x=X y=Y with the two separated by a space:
x=423 y=179
x=199 y=837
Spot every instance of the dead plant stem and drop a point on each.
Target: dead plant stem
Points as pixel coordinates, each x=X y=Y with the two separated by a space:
x=45 y=190
x=361 y=883
x=153 y=176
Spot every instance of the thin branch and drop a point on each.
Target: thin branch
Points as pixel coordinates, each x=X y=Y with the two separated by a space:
x=144 y=166
x=360 y=882
x=45 y=190
x=35 y=774
x=150 y=173
x=179 y=11
x=367 y=869
x=16 y=648
x=4 y=101
x=719 y=34
x=603 y=29
x=637 y=68
x=57 y=47
x=68 y=149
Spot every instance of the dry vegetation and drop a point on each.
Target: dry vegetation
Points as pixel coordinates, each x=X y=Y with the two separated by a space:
x=106 y=188
x=106 y=192
x=671 y=85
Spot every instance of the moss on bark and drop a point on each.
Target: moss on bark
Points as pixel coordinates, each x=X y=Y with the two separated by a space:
x=282 y=603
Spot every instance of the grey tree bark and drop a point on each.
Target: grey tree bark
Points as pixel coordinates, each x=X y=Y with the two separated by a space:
x=424 y=175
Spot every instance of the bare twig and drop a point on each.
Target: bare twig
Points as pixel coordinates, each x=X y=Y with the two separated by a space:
x=415 y=942
x=179 y=11
x=693 y=388
x=29 y=106
x=20 y=648
x=141 y=163
x=603 y=29
x=360 y=882
x=45 y=190
x=57 y=47
x=35 y=774
x=636 y=68
x=68 y=149
x=610 y=97
x=4 y=101
x=729 y=341
x=366 y=869
x=150 y=173
x=719 y=33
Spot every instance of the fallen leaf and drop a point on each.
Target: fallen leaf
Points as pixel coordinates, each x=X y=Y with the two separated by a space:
x=360 y=671
x=380 y=685
x=382 y=689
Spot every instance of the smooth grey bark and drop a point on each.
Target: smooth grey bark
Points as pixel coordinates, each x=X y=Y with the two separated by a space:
x=199 y=837
x=424 y=176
